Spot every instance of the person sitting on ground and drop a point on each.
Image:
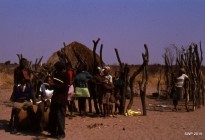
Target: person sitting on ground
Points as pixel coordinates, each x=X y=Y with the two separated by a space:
x=22 y=92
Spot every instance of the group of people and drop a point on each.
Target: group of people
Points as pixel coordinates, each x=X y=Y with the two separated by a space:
x=102 y=86
x=58 y=90
x=107 y=91
x=58 y=93
x=53 y=88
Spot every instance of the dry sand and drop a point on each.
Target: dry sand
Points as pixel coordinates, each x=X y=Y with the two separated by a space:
x=161 y=123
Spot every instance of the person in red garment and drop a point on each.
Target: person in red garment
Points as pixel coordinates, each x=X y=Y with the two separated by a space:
x=70 y=99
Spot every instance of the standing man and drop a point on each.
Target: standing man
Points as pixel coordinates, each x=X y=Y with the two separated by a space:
x=58 y=101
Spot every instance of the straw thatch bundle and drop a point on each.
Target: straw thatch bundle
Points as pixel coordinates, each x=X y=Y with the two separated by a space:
x=85 y=53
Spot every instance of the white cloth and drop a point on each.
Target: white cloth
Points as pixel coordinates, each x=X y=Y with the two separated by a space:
x=180 y=80
x=109 y=78
x=47 y=93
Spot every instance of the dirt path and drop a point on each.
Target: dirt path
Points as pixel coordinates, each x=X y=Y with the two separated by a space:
x=157 y=125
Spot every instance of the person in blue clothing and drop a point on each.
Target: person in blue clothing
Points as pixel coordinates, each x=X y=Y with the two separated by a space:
x=80 y=81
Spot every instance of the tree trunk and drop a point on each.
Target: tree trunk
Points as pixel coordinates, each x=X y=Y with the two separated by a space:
x=123 y=91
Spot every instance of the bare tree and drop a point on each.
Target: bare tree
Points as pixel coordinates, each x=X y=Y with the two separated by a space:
x=190 y=59
x=143 y=83
x=169 y=58
x=124 y=71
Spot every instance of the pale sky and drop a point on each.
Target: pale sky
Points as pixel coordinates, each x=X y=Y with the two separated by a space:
x=38 y=28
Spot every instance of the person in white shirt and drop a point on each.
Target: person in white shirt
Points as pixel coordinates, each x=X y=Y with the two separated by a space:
x=179 y=92
x=107 y=92
x=46 y=89
x=107 y=75
x=180 y=82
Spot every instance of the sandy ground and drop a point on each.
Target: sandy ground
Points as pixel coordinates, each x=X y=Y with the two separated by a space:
x=160 y=123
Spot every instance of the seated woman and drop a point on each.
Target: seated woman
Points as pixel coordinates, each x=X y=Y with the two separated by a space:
x=22 y=92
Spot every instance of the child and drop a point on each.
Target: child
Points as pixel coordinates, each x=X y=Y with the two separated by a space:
x=175 y=97
x=118 y=84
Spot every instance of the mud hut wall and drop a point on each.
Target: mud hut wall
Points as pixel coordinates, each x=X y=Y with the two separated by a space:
x=85 y=53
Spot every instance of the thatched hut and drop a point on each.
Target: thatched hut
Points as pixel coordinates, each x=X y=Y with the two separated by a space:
x=85 y=53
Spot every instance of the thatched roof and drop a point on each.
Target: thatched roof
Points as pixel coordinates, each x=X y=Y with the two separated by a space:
x=85 y=52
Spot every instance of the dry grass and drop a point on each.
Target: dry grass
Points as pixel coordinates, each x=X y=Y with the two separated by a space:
x=6 y=76
x=6 y=80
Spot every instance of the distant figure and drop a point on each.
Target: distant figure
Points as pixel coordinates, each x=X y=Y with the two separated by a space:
x=95 y=86
x=180 y=82
x=57 y=113
x=108 y=88
x=179 y=91
x=118 y=84
x=107 y=75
